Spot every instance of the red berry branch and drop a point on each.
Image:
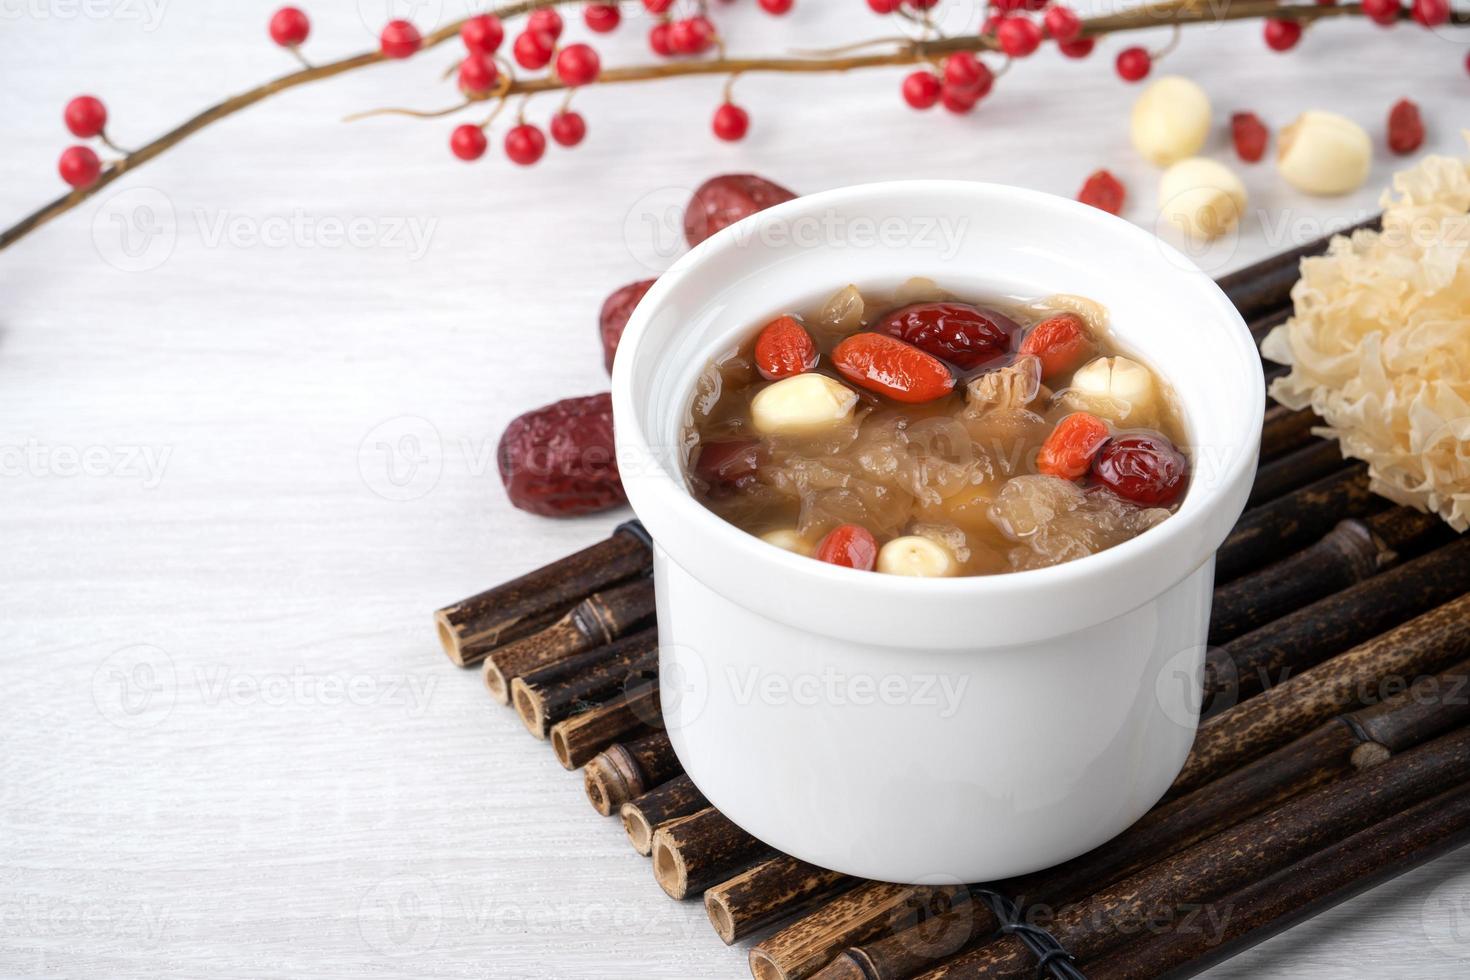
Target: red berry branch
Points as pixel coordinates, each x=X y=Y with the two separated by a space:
x=689 y=43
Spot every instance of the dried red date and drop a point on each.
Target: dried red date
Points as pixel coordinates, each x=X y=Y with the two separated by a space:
x=1146 y=470
x=965 y=336
x=559 y=460
x=721 y=201
x=728 y=464
x=614 y=316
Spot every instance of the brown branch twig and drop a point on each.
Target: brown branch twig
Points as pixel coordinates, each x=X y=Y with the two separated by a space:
x=905 y=52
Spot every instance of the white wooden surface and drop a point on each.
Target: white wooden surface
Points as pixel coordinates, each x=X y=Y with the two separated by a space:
x=229 y=745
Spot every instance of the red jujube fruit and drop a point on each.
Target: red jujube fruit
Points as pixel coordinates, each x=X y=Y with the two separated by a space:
x=965 y=336
x=559 y=460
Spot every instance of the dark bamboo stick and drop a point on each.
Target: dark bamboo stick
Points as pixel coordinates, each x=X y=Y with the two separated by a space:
x=691 y=853
x=1329 y=877
x=1312 y=462
x=1270 y=654
x=1425 y=644
x=804 y=947
x=1284 y=430
x=1273 y=530
x=548 y=694
x=626 y=770
x=912 y=950
x=577 y=738
x=473 y=627
x=773 y=890
x=1352 y=551
x=1430 y=707
x=676 y=798
x=596 y=621
x=1250 y=851
x=1265 y=286
x=1346 y=555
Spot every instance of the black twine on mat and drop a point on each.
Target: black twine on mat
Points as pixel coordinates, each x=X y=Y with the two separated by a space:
x=1052 y=959
x=636 y=528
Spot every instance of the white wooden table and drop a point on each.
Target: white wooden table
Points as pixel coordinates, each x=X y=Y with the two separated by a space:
x=249 y=399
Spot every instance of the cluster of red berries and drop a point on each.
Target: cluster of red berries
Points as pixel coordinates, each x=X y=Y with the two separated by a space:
x=1283 y=35
x=85 y=116
x=963 y=80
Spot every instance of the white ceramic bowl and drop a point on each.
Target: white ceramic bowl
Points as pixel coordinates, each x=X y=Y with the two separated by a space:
x=934 y=729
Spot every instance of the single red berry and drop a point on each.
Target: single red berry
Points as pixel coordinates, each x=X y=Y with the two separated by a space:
x=1405 y=128
x=399 y=39
x=468 y=142
x=777 y=7
x=1062 y=23
x=1282 y=35
x=1018 y=36
x=731 y=122
x=482 y=34
x=1134 y=64
x=1384 y=13
x=1080 y=48
x=921 y=89
x=1249 y=135
x=524 y=144
x=692 y=35
x=958 y=100
x=783 y=349
x=659 y=40
x=657 y=6
x=965 y=71
x=568 y=127
x=1144 y=469
x=79 y=166
x=289 y=27
x=533 y=49
x=884 y=6
x=1068 y=451
x=1062 y=342
x=85 y=116
x=1103 y=191
x=1431 y=13
x=477 y=74
x=602 y=17
x=578 y=64
x=850 y=546
x=547 y=20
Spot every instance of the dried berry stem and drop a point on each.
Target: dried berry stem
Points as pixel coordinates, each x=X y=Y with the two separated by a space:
x=905 y=52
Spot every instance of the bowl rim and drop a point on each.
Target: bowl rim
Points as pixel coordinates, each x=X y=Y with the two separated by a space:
x=660 y=497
